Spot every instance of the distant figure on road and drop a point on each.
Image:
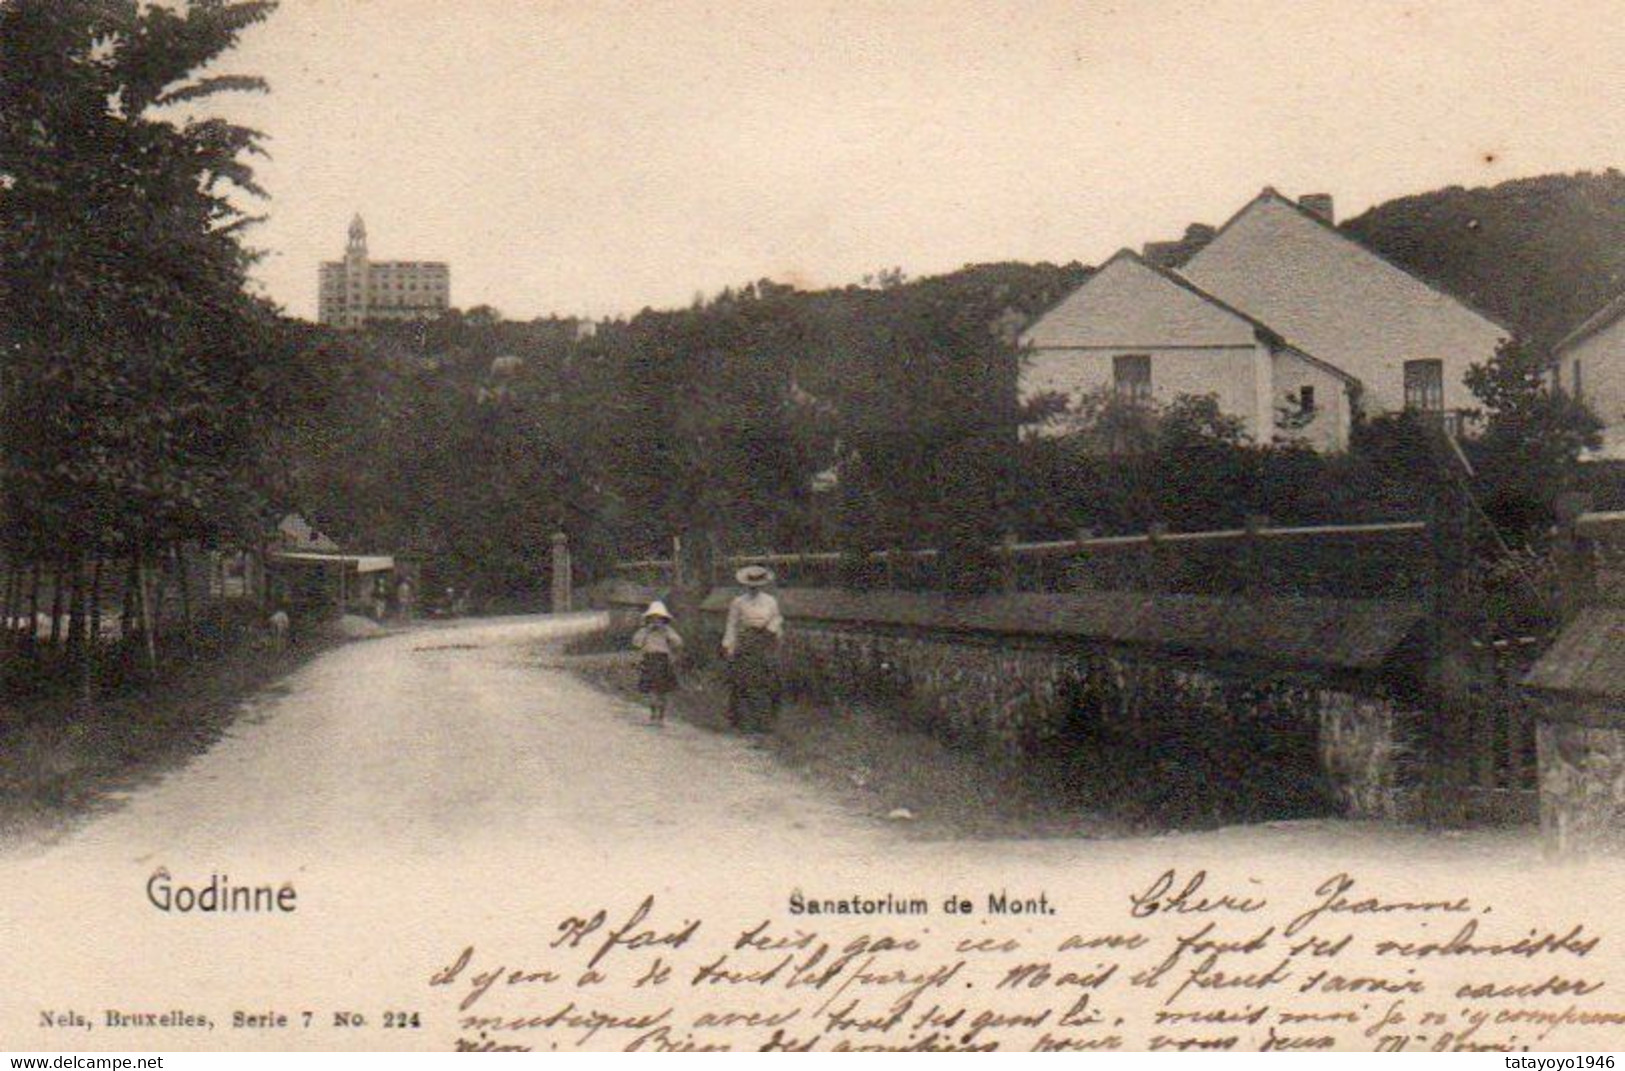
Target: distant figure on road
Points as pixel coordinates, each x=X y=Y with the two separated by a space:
x=405 y=596
x=277 y=627
x=750 y=642
x=659 y=642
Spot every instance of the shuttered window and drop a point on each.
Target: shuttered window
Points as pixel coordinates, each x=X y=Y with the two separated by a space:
x=1424 y=386
x=1131 y=378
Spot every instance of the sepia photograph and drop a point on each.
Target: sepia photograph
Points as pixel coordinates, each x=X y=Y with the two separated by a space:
x=782 y=526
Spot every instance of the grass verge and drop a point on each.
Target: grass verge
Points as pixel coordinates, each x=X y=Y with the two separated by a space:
x=865 y=755
x=60 y=763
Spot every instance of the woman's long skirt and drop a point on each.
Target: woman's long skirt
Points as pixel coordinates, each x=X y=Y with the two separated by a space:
x=753 y=701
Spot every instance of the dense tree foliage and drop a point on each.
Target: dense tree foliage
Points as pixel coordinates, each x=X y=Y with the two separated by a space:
x=1532 y=439
x=1121 y=469
x=763 y=418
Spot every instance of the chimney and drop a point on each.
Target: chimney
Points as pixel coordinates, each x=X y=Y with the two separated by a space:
x=1175 y=254
x=1159 y=253
x=1320 y=204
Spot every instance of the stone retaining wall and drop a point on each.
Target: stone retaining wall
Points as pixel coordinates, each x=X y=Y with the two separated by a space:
x=1015 y=694
x=1013 y=701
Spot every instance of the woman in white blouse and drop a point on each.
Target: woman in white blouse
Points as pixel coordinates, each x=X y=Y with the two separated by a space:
x=750 y=642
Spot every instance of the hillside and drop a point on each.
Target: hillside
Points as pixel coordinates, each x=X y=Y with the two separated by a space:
x=1540 y=254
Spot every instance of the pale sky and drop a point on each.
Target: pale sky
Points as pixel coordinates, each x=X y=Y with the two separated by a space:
x=591 y=158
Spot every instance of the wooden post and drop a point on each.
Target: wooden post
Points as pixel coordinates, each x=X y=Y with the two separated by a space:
x=1009 y=581
x=1077 y=574
x=1253 y=568
x=1574 y=556
x=676 y=561
x=1454 y=663
x=561 y=573
x=1150 y=561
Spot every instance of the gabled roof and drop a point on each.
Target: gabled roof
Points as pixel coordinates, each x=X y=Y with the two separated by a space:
x=1597 y=321
x=1271 y=194
x=300 y=534
x=1130 y=256
x=1264 y=332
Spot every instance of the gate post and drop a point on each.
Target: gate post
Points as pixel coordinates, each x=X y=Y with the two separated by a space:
x=1582 y=787
x=1580 y=734
x=561 y=573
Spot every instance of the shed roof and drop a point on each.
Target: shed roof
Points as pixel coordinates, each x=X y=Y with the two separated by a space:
x=1341 y=634
x=1588 y=659
x=1597 y=321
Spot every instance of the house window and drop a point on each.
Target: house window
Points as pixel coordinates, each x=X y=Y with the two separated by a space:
x=1424 y=386
x=1579 y=385
x=1131 y=378
x=1306 y=398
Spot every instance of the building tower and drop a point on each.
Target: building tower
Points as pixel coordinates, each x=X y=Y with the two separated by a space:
x=357 y=249
x=355 y=275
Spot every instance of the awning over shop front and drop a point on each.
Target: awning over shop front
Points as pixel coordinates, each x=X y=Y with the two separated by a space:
x=360 y=563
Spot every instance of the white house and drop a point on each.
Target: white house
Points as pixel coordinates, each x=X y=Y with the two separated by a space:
x=1590 y=364
x=1291 y=324
x=1148 y=333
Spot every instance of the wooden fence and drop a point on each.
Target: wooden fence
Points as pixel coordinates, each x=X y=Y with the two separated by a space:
x=1353 y=560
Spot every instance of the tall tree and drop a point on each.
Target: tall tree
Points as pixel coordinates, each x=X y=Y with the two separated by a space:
x=137 y=372
x=1532 y=439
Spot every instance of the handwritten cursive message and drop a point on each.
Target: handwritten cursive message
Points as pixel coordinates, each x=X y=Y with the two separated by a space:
x=1187 y=962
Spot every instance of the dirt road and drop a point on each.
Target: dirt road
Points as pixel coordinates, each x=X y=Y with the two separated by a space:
x=424 y=742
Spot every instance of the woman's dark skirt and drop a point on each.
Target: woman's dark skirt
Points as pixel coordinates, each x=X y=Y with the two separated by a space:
x=655 y=674
x=753 y=701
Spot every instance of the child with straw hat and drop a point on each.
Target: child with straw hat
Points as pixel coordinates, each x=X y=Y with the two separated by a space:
x=659 y=642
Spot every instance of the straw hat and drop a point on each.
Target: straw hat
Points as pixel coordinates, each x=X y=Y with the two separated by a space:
x=755 y=576
x=657 y=609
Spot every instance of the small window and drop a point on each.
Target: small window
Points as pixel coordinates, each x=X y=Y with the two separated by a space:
x=1424 y=386
x=1306 y=398
x=1579 y=384
x=1131 y=378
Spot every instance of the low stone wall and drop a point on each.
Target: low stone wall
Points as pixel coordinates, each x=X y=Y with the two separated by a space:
x=1016 y=691
x=1005 y=698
